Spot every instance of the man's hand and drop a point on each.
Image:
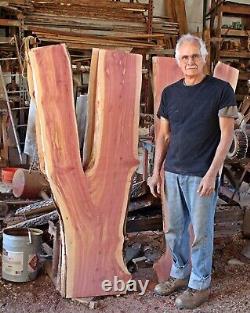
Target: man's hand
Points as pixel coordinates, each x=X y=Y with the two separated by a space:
x=207 y=186
x=154 y=183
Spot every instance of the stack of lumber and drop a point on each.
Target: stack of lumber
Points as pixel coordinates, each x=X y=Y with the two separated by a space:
x=85 y=24
x=176 y=10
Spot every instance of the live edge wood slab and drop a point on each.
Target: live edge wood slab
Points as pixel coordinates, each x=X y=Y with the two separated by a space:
x=165 y=72
x=92 y=202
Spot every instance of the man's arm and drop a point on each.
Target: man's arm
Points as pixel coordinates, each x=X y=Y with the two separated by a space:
x=207 y=184
x=161 y=146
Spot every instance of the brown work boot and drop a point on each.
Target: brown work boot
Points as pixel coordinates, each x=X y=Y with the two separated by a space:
x=192 y=298
x=170 y=286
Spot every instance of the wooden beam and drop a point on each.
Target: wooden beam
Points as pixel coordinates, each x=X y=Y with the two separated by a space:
x=181 y=16
x=8 y=22
x=170 y=9
x=237 y=9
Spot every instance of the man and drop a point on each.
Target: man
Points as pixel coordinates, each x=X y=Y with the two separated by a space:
x=196 y=130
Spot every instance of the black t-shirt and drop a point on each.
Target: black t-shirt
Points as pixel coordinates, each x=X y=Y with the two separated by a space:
x=193 y=114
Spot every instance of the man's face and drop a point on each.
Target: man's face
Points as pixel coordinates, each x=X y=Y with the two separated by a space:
x=190 y=60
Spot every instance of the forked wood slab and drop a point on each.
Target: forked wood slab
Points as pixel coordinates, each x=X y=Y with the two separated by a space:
x=92 y=203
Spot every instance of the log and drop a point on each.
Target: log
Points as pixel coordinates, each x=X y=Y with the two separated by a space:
x=37 y=221
x=37 y=208
x=93 y=241
x=17 y=202
x=165 y=72
x=29 y=184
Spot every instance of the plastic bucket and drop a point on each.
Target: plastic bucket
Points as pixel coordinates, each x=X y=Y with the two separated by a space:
x=8 y=173
x=21 y=251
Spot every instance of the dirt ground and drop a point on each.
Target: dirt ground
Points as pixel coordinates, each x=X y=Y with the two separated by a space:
x=230 y=292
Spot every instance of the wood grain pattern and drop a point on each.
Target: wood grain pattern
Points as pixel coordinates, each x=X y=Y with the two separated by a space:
x=89 y=24
x=165 y=72
x=92 y=203
x=228 y=73
x=181 y=16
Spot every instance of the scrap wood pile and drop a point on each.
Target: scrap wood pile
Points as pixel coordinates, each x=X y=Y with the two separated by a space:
x=22 y=202
x=36 y=214
x=85 y=24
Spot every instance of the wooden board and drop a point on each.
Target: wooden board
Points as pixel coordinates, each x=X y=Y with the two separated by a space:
x=181 y=16
x=165 y=72
x=170 y=9
x=176 y=10
x=92 y=203
x=228 y=73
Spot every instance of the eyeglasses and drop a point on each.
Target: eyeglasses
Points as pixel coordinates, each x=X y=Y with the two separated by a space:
x=193 y=57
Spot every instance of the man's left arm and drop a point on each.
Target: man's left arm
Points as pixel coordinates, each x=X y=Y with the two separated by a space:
x=207 y=184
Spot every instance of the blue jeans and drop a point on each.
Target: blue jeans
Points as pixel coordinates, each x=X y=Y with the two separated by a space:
x=186 y=206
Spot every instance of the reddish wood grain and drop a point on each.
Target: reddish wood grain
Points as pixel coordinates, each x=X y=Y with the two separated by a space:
x=228 y=73
x=92 y=203
x=165 y=72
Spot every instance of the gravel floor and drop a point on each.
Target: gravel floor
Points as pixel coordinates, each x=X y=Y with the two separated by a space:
x=230 y=292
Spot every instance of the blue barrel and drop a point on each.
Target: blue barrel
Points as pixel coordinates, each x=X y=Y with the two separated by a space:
x=21 y=251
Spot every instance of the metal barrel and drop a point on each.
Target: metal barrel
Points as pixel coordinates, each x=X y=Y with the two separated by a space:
x=21 y=251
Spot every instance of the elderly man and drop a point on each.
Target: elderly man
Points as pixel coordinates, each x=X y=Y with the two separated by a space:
x=196 y=130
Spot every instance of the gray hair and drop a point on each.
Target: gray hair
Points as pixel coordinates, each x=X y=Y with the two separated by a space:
x=192 y=39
